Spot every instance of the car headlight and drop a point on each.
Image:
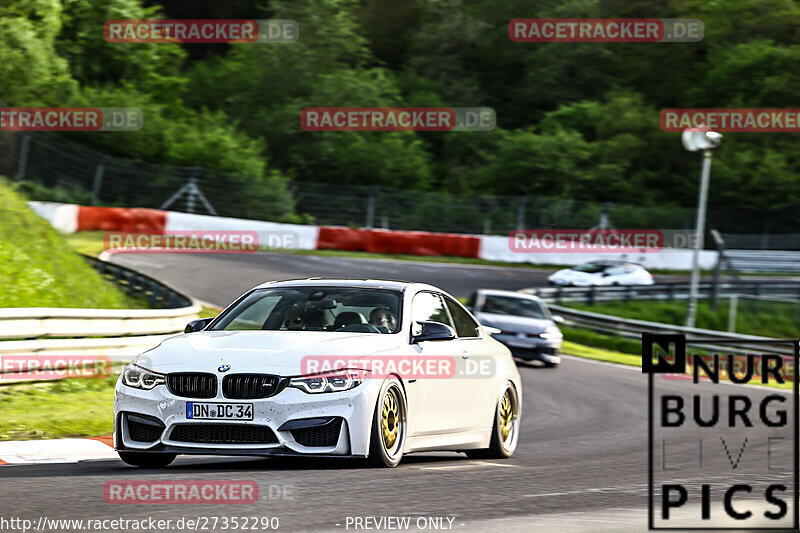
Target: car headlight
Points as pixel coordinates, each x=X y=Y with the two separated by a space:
x=141 y=378
x=338 y=381
x=551 y=334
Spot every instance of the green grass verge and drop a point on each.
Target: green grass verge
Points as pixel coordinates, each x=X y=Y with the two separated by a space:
x=208 y=312
x=588 y=337
x=67 y=408
x=86 y=242
x=600 y=354
x=37 y=267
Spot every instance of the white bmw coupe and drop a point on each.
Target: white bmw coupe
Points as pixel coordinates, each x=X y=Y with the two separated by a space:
x=323 y=367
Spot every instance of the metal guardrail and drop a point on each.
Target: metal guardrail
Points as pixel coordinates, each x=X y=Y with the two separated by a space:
x=41 y=322
x=159 y=294
x=664 y=291
x=633 y=329
x=764 y=260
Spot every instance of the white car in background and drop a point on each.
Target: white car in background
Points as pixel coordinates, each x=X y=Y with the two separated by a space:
x=242 y=383
x=602 y=273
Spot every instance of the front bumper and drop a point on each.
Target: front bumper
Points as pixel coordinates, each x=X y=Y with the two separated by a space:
x=532 y=348
x=349 y=412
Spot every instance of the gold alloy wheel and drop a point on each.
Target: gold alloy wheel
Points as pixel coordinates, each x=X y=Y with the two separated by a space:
x=506 y=416
x=391 y=420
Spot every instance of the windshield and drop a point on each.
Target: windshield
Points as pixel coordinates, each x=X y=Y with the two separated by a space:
x=507 y=305
x=589 y=268
x=315 y=309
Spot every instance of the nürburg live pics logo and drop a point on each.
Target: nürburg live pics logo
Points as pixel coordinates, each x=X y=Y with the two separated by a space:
x=722 y=433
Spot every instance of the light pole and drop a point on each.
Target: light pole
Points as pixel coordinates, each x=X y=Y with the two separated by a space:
x=693 y=140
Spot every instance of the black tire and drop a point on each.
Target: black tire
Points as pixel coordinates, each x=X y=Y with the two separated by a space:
x=381 y=454
x=147 y=460
x=550 y=365
x=500 y=448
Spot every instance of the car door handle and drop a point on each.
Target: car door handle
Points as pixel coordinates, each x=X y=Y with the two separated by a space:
x=465 y=354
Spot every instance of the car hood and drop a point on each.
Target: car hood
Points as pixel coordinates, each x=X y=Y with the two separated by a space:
x=517 y=324
x=279 y=352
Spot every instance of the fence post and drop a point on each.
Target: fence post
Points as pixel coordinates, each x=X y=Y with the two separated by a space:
x=192 y=190
x=521 y=212
x=22 y=167
x=98 y=178
x=287 y=201
x=370 y=222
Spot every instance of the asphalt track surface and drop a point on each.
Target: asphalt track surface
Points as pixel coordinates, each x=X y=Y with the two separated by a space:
x=220 y=278
x=581 y=464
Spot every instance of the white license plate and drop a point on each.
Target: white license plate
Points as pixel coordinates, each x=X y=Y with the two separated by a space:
x=219 y=411
x=523 y=344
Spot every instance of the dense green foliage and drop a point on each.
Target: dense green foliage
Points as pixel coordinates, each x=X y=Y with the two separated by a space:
x=575 y=121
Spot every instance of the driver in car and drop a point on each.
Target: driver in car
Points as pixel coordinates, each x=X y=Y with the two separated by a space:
x=294 y=319
x=383 y=319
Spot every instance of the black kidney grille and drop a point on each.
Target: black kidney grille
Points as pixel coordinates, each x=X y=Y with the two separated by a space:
x=223 y=434
x=320 y=436
x=250 y=386
x=192 y=385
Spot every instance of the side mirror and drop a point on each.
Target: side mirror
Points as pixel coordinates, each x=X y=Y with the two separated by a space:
x=434 y=331
x=558 y=319
x=197 y=325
